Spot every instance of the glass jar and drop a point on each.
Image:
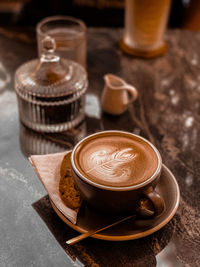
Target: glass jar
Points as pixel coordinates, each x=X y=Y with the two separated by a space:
x=51 y=91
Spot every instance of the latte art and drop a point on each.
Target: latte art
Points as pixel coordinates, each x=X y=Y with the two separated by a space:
x=112 y=164
x=116 y=160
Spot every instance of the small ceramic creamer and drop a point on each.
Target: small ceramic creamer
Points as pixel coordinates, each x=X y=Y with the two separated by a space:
x=117 y=95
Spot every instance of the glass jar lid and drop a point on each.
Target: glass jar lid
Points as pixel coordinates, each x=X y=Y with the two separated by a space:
x=50 y=76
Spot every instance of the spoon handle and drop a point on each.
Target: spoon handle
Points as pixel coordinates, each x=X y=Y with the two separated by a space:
x=91 y=233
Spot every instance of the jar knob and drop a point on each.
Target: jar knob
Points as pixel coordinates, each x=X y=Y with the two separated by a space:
x=48 y=44
x=48 y=49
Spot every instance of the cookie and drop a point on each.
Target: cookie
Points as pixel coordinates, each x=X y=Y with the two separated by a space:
x=67 y=188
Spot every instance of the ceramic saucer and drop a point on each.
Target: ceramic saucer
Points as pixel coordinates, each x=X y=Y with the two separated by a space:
x=88 y=219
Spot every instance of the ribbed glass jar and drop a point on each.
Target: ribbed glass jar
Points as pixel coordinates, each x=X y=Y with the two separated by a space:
x=51 y=93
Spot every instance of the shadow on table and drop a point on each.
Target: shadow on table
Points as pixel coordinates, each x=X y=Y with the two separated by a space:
x=94 y=252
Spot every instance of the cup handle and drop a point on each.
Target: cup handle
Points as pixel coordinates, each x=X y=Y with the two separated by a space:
x=156 y=201
x=133 y=91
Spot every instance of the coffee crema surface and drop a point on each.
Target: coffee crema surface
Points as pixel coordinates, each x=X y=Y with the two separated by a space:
x=116 y=160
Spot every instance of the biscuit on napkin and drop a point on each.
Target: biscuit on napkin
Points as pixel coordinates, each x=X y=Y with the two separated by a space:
x=48 y=169
x=68 y=192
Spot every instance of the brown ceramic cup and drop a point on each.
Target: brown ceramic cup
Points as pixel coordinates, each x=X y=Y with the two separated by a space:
x=116 y=171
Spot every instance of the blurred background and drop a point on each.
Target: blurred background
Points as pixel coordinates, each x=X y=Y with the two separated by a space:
x=184 y=14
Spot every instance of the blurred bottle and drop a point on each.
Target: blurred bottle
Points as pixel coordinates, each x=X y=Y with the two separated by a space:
x=145 y=24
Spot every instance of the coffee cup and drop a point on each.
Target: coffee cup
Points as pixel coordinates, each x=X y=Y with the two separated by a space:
x=115 y=171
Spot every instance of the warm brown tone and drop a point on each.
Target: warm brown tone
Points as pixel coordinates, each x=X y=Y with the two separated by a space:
x=116 y=159
x=137 y=227
x=117 y=199
x=68 y=192
x=167 y=112
x=145 y=24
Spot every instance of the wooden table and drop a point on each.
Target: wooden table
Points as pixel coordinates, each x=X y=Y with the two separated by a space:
x=166 y=112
